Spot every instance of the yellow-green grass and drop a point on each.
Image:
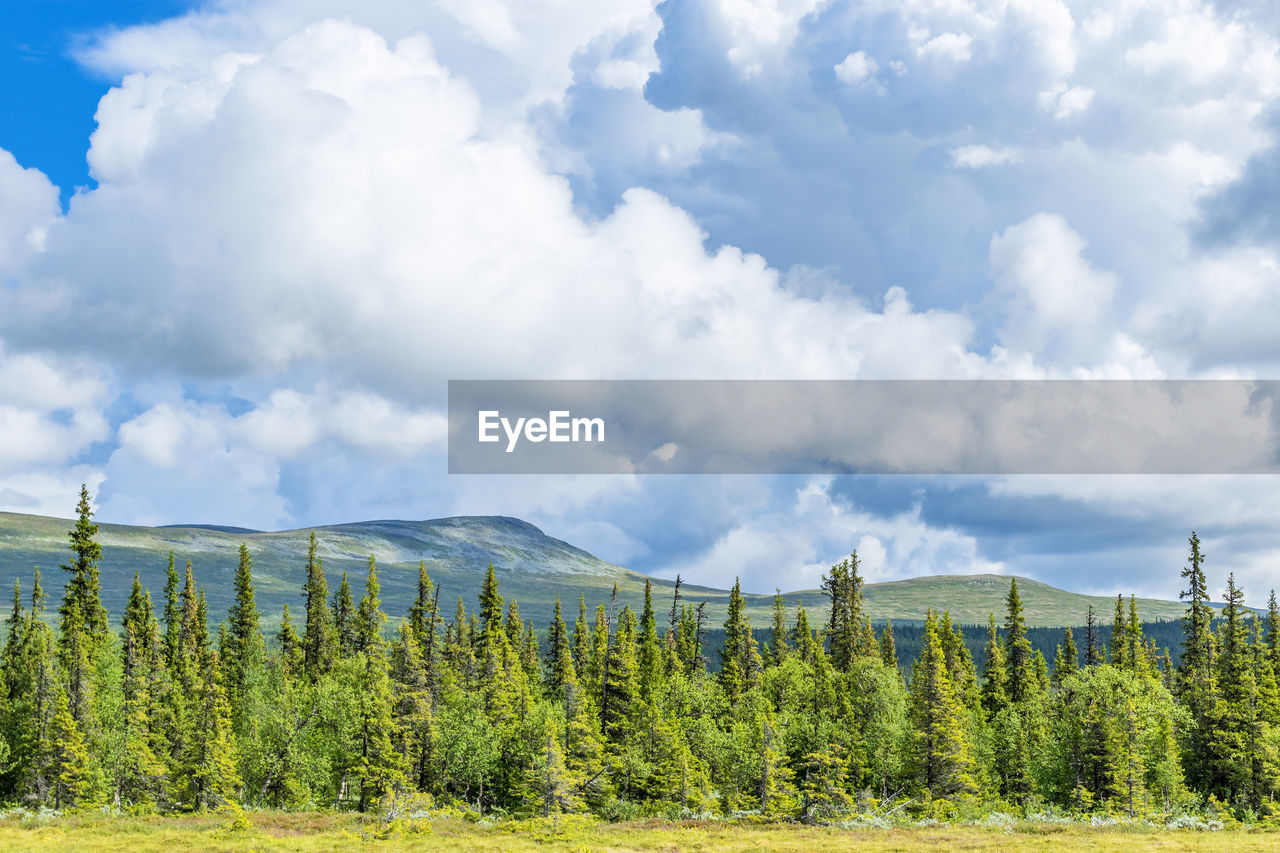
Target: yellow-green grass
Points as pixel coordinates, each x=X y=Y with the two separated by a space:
x=322 y=832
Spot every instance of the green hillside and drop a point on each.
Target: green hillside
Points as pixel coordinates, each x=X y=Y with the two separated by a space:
x=532 y=567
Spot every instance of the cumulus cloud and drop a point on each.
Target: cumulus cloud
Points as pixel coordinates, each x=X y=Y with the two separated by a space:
x=982 y=156
x=795 y=543
x=857 y=69
x=947 y=47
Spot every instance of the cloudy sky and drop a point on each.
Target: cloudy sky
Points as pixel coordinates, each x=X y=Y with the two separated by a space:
x=244 y=244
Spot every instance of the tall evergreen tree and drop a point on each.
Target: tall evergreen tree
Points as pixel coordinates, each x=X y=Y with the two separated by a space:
x=243 y=653
x=172 y=614
x=1018 y=651
x=317 y=635
x=740 y=662
x=843 y=586
x=344 y=619
x=84 y=620
x=368 y=619
x=943 y=751
x=888 y=648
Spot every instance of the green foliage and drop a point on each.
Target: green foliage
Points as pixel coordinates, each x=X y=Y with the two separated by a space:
x=622 y=719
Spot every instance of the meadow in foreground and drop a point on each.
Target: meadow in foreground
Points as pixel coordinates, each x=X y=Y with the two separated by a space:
x=317 y=831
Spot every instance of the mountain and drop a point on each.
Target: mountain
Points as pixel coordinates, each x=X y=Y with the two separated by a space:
x=532 y=567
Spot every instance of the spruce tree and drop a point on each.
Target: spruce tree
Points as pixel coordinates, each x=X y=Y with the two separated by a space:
x=317 y=635
x=1118 y=647
x=366 y=624
x=888 y=648
x=1091 y=657
x=1018 y=652
x=139 y=775
x=995 y=676
x=650 y=650
x=740 y=662
x=291 y=652
x=943 y=754
x=344 y=619
x=84 y=620
x=552 y=788
x=69 y=765
x=778 y=637
x=1067 y=661
x=243 y=654
x=1197 y=643
x=172 y=614
x=843 y=586
x=208 y=776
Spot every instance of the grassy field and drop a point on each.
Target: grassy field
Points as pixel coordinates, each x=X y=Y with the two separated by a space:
x=322 y=832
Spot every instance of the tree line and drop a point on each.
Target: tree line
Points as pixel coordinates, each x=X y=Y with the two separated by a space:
x=620 y=713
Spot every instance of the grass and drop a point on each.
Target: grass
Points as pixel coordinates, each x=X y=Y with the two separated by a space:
x=278 y=831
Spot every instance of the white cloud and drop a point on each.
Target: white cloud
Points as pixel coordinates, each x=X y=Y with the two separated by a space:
x=856 y=69
x=28 y=204
x=983 y=156
x=948 y=47
x=794 y=546
x=760 y=32
x=1057 y=299
x=1065 y=102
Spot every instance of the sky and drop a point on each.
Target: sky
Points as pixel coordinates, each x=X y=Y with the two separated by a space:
x=244 y=244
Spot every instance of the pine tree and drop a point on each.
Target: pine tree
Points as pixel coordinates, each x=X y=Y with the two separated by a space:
x=558 y=652
x=1091 y=657
x=1018 y=650
x=1273 y=631
x=740 y=659
x=943 y=754
x=420 y=612
x=369 y=618
x=888 y=648
x=581 y=637
x=30 y=683
x=552 y=788
x=490 y=602
x=140 y=774
x=994 y=675
x=344 y=620
x=291 y=652
x=778 y=637
x=380 y=766
x=172 y=615
x=193 y=634
x=843 y=585
x=68 y=761
x=620 y=691
x=1197 y=682
x=208 y=776
x=1196 y=650
x=317 y=635
x=1234 y=735
x=243 y=654
x=650 y=649
x=1119 y=646
x=1067 y=661
x=84 y=619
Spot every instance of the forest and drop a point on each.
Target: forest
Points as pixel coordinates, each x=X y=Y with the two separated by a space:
x=621 y=714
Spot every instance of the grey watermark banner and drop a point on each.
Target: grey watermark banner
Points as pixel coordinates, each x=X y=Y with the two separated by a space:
x=864 y=426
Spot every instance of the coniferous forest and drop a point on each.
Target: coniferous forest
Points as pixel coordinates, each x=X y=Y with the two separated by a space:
x=620 y=714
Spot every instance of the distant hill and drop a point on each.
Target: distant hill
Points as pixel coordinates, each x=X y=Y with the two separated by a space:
x=532 y=567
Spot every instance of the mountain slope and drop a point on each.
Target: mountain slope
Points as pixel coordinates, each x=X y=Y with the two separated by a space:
x=532 y=567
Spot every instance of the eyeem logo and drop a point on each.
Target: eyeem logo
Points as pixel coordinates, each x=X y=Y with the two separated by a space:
x=559 y=426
